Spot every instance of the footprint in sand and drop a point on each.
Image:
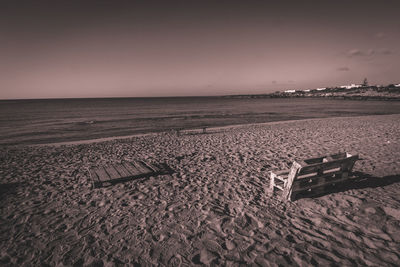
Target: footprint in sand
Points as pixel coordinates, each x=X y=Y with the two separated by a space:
x=230 y=245
x=175 y=261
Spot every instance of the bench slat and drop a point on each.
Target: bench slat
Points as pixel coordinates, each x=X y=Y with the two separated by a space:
x=102 y=174
x=131 y=169
x=279 y=187
x=319 y=180
x=141 y=167
x=112 y=172
x=121 y=169
x=282 y=172
x=152 y=167
x=328 y=165
x=297 y=190
x=94 y=175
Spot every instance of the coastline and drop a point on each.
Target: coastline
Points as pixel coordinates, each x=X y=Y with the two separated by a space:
x=321 y=96
x=77 y=120
x=364 y=93
x=183 y=130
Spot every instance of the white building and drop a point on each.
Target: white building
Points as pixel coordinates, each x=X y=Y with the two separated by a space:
x=321 y=89
x=353 y=85
x=290 y=91
x=306 y=90
x=397 y=85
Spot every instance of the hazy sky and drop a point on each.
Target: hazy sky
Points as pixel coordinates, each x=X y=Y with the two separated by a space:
x=168 y=48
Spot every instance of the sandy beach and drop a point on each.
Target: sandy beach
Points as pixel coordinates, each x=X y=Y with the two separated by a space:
x=214 y=209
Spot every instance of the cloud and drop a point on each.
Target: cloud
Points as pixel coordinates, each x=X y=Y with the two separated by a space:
x=385 y=51
x=355 y=52
x=380 y=35
x=343 y=69
x=368 y=53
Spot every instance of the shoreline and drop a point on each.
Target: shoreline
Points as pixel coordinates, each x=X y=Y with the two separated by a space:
x=333 y=97
x=108 y=119
x=188 y=130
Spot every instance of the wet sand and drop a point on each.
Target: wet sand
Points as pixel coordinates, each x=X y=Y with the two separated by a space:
x=214 y=209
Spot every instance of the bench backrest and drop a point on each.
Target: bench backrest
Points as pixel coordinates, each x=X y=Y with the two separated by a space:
x=318 y=172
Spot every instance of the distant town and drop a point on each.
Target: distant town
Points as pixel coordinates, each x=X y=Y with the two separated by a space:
x=353 y=91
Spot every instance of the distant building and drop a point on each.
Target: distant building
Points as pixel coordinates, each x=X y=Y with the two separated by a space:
x=351 y=86
x=306 y=90
x=321 y=89
x=397 y=85
x=290 y=91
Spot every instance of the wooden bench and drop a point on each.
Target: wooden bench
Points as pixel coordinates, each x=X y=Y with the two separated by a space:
x=312 y=176
x=115 y=173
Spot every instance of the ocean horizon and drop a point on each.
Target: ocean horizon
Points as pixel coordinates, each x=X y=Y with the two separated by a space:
x=38 y=121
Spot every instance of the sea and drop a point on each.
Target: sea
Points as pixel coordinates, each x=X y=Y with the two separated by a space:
x=59 y=120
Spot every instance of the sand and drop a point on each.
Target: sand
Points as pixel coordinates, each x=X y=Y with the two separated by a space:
x=215 y=208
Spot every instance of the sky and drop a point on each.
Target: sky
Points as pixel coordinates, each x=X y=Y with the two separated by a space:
x=67 y=49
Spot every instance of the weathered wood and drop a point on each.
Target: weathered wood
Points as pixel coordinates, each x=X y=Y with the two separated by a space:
x=282 y=177
x=151 y=167
x=272 y=177
x=282 y=173
x=279 y=187
x=121 y=170
x=94 y=175
x=317 y=182
x=337 y=181
x=337 y=156
x=292 y=175
x=103 y=175
x=315 y=175
x=341 y=155
x=112 y=172
x=338 y=169
x=141 y=167
x=131 y=169
x=316 y=190
x=319 y=173
x=327 y=165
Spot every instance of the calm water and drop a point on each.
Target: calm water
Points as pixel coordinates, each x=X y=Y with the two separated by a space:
x=44 y=121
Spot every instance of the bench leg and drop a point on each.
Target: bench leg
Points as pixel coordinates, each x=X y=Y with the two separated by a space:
x=294 y=170
x=272 y=182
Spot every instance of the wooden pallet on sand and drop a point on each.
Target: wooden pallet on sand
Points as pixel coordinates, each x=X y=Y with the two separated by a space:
x=116 y=173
